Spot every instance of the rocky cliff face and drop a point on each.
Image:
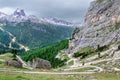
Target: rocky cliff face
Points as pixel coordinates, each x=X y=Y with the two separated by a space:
x=102 y=26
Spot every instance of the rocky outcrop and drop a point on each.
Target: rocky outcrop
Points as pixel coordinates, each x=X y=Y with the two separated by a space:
x=102 y=13
x=41 y=64
x=19 y=13
x=102 y=26
x=36 y=63
x=14 y=63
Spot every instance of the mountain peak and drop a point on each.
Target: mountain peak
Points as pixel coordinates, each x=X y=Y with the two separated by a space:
x=57 y=21
x=19 y=12
x=20 y=16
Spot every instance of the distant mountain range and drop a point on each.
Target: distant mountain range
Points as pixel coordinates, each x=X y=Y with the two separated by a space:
x=29 y=32
x=20 y=16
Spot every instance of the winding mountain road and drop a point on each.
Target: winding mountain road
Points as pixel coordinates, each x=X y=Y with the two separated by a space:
x=99 y=69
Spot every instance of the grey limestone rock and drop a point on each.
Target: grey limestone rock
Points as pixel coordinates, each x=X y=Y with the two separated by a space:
x=101 y=27
x=13 y=62
x=41 y=64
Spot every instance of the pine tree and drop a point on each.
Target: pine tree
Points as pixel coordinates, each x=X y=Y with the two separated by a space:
x=14 y=52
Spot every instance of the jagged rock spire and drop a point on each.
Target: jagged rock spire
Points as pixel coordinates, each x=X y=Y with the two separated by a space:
x=19 y=12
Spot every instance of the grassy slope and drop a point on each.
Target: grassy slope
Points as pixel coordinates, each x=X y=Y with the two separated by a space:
x=21 y=76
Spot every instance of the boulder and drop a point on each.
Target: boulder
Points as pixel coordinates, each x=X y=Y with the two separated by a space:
x=13 y=62
x=41 y=64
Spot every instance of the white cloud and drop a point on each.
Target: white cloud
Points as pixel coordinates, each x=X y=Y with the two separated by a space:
x=7 y=10
x=73 y=10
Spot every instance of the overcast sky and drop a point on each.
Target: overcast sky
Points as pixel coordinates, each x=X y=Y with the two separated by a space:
x=70 y=10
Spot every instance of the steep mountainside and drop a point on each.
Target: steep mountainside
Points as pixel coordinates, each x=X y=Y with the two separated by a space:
x=48 y=53
x=102 y=26
x=28 y=32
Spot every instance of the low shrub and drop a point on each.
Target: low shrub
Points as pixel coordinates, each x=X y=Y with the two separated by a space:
x=117 y=26
x=84 y=52
x=102 y=48
x=119 y=47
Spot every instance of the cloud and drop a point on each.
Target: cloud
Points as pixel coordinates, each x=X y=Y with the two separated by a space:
x=71 y=10
x=7 y=10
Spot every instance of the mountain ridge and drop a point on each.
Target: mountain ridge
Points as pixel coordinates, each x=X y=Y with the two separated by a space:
x=29 y=32
x=19 y=15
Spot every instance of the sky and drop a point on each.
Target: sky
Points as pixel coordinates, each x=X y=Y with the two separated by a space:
x=70 y=10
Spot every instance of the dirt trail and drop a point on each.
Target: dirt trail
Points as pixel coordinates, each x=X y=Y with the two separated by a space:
x=14 y=40
x=33 y=72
